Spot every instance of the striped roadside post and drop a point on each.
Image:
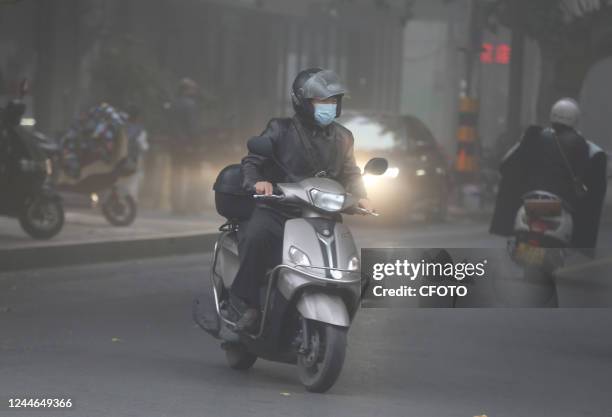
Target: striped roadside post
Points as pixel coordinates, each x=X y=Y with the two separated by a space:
x=466 y=161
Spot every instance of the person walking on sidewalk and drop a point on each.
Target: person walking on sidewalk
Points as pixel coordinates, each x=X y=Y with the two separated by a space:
x=185 y=147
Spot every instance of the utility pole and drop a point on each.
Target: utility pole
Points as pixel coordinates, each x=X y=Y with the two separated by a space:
x=44 y=78
x=473 y=49
x=468 y=147
x=515 y=86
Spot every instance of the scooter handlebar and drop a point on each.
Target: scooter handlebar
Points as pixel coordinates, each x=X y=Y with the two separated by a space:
x=267 y=197
x=276 y=197
x=366 y=212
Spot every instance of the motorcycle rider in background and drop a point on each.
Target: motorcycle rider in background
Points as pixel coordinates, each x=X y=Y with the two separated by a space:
x=306 y=145
x=559 y=160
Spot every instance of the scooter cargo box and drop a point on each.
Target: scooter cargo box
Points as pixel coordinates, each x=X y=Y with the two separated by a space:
x=231 y=200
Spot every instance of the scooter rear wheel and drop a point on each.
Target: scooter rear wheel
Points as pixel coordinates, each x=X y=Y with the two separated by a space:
x=42 y=218
x=319 y=369
x=119 y=209
x=238 y=357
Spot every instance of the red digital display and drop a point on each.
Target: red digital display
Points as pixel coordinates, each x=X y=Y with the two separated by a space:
x=495 y=54
x=486 y=56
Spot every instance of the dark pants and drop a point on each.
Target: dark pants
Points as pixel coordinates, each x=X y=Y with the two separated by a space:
x=260 y=245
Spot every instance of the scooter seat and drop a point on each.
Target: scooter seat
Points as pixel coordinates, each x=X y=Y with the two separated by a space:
x=543 y=208
x=542 y=204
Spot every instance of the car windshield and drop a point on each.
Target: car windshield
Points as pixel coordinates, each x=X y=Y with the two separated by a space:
x=402 y=134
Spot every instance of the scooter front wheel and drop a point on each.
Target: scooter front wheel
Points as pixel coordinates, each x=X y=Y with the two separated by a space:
x=320 y=366
x=238 y=357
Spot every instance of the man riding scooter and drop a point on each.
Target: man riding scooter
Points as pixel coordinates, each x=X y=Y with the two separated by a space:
x=309 y=144
x=553 y=165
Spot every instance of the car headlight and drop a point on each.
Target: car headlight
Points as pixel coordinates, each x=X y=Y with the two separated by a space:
x=353 y=264
x=298 y=257
x=27 y=121
x=392 y=172
x=373 y=180
x=327 y=201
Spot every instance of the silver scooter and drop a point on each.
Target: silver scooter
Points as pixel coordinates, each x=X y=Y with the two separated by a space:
x=310 y=299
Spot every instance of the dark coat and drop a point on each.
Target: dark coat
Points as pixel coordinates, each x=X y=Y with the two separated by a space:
x=536 y=163
x=303 y=159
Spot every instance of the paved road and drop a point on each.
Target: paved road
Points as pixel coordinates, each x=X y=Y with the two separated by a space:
x=118 y=340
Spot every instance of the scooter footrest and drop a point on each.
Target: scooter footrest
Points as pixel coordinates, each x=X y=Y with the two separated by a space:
x=205 y=314
x=228 y=336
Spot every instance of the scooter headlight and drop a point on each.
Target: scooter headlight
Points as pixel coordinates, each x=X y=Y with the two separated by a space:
x=353 y=264
x=298 y=257
x=327 y=201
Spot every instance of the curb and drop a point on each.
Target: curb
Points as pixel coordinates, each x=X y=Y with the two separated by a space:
x=104 y=251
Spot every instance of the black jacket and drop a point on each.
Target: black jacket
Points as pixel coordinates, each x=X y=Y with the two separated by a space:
x=551 y=160
x=536 y=163
x=305 y=150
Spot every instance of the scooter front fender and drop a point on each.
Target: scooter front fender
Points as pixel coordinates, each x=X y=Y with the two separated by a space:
x=50 y=193
x=323 y=307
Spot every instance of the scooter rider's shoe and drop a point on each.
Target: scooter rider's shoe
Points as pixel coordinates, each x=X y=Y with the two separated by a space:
x=248 y=321
x=248 y=316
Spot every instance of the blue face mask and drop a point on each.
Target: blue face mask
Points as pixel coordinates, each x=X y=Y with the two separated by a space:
x=325 y=113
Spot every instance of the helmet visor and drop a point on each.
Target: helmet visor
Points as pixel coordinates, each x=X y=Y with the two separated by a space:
x=323 y=85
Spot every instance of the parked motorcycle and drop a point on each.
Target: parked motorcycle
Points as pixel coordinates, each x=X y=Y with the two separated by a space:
x=310 y=299
x=98 y=183
x=25 y=173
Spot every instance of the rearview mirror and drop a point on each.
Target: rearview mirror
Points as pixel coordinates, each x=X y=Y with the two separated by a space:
x=376 y=166
x=261 y=145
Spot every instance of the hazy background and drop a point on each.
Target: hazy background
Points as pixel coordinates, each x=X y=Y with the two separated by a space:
x=397 y=57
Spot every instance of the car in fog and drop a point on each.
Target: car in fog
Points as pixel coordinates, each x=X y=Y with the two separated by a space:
x=417 y=181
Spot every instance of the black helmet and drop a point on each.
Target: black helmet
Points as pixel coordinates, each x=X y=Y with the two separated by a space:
x=315 y=83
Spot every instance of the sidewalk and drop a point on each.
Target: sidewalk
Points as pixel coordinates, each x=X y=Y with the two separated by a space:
x=87 y=237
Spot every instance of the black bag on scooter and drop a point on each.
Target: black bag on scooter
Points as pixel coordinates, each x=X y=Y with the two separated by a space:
x=231 y=199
